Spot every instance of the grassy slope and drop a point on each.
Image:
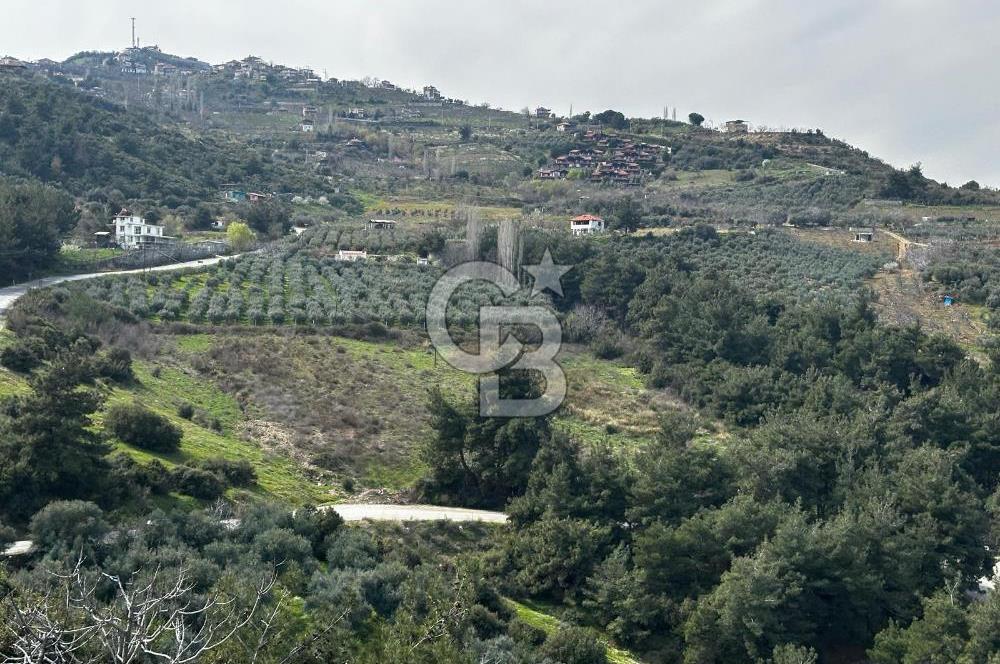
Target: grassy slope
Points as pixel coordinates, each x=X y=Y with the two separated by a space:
x=279 y=476
x=359 y=399
x=362 y=404
x=533 y=614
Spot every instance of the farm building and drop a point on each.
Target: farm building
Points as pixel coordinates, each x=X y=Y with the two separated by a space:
x=737 y=127
x=864 y=234
x=586 y=224
x=351 y=255
x=234 y=195
x=381 y=224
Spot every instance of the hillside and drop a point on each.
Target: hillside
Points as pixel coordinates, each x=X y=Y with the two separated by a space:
x=91 y=148
x=778 y=442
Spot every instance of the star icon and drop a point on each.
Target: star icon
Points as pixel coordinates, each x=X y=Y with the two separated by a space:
x=547 y=275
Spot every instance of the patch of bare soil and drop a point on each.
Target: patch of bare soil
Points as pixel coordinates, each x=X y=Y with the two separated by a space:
x=904 y=300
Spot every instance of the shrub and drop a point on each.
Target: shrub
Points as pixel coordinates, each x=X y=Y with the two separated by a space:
x=198 y=483
x=115 y=364
x=575 y=645
x=19 y=358
x=69 y=522
x=185 y=410
x=236 y=473
x=607 y=349
x=206 y=420
x=526 y=633
x=7 y=536
x=136 y=425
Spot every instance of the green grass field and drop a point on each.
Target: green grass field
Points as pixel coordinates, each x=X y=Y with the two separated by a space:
x=278 y=476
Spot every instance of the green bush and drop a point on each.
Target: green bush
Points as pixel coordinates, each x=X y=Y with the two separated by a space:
x=115 y=364
x=68 y=522
x=575 y=645
x=19 y=358
x=236 y=473
x=139 y=426
x=198 y=483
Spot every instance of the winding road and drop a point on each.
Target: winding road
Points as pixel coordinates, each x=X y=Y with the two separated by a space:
x=10 y=294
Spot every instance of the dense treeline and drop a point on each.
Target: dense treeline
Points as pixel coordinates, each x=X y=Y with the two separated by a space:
x=849 y=507
x=260 y=584
x=33 y=220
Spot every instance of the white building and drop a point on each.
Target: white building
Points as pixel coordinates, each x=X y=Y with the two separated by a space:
x=351 y=256
x=586 y=224
x=132 y=231
x=381 y=224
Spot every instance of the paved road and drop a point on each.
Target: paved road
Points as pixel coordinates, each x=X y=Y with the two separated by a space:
x=10 y=294
x=360 y=512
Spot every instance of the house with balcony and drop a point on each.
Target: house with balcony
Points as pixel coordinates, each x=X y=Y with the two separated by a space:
x=586 y=224
x=133 y=232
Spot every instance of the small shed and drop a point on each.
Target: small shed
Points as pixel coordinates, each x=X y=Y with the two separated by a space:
x=864 y=234
x=381 y=224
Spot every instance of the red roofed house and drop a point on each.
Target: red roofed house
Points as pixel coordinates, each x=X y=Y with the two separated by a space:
x=586 y=224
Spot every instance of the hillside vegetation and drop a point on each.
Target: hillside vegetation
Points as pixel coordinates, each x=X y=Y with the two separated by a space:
x=761 y=458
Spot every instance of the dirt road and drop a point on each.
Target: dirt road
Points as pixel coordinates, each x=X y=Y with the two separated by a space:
x=903 y=245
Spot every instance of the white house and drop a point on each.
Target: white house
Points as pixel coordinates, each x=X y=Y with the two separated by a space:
x=307 y=126
x=351 y=256
x=586 y=224
x=132 y=231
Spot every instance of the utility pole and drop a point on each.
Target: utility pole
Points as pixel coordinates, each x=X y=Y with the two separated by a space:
x=133 y=32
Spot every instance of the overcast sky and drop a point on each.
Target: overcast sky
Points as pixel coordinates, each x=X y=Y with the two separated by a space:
x=907 y=80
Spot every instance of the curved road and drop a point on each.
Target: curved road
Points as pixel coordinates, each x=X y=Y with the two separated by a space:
x=360 y=511
x=10 y=294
